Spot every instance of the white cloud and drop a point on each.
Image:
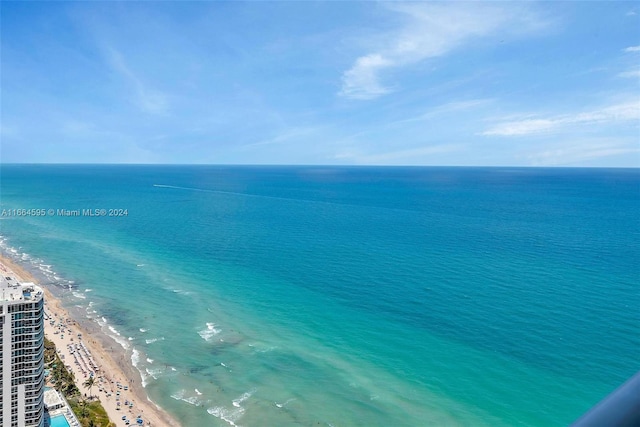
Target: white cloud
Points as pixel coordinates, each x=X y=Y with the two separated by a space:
x=430 y=30
x=632 y=49
x=361 y=81
x=147 y=99
x=616 y=113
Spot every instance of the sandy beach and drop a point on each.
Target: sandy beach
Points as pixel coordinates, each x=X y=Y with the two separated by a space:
x=117 y=385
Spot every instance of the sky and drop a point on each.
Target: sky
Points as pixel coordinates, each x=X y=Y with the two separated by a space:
x=321 y=83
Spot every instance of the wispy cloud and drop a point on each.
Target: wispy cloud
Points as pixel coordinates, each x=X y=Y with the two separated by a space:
x=147 y=99
x=450 y=107
x=430 y=30
x=616 y=113
x=294 y=135
x=582 y=152
x=630 y=74
x=523 y=127
x=632 y=49
x=417 y=155
x=361 y=81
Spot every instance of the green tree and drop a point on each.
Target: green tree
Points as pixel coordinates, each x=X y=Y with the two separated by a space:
x=83 y=403
x=89 y=384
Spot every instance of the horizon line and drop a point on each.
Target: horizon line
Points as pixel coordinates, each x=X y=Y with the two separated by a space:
x=314 y=165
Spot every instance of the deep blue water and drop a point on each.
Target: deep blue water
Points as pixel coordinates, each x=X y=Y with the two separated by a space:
x=349 y=296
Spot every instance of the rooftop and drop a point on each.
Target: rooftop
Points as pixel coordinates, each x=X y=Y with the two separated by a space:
x=52 y=399
x=13 y=290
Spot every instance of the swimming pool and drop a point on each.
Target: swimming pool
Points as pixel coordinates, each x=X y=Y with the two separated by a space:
x=59 y=421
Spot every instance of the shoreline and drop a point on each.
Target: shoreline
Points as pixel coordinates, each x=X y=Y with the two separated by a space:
x=112 y=360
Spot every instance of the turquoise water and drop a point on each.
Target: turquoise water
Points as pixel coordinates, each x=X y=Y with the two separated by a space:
x=59 y=421
x=278 y=296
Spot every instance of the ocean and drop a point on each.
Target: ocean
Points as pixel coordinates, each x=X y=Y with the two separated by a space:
x=345 y=296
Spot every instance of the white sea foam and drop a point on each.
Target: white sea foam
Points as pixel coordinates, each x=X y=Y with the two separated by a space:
x=152 y=340
x=117 y=337
x=79 y=295
x=179 y=394
x=87 y=290
x=154 y=373
x=144 y=374
x=144 y=379
x=209 y=332
x=135 y=357
x=112 y=332
x=230 y=416
x=198 y=392
x=192 y=400
x=282 y=405
x=143 y=330
x=238 y=401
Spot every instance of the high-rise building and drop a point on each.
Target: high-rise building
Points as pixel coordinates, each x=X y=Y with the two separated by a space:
x=21 y=353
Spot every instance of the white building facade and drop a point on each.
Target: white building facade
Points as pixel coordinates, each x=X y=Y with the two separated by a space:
x=21 y=354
